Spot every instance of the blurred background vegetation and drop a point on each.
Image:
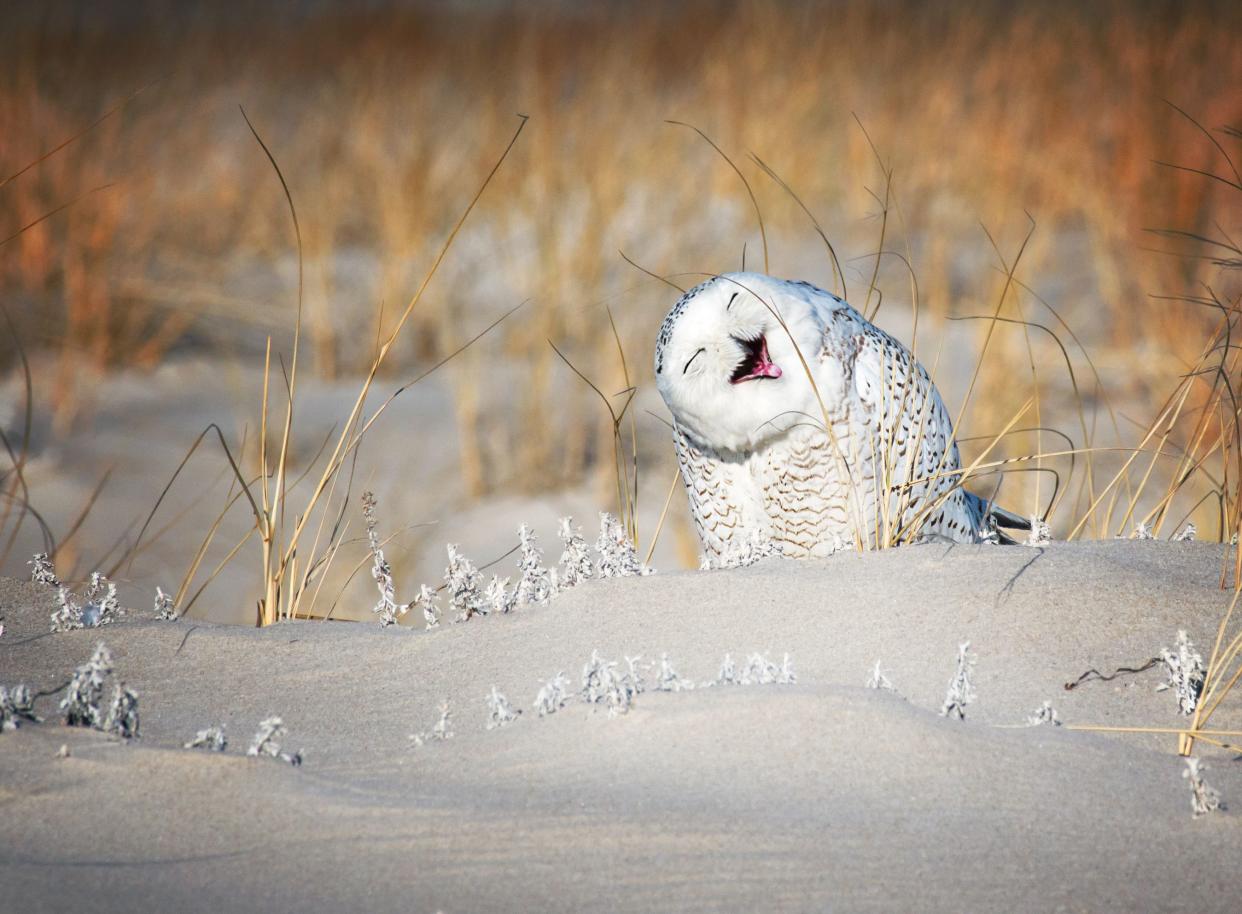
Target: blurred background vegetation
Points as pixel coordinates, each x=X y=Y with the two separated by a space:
x=168 y=258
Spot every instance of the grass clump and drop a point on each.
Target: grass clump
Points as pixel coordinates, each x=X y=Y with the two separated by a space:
x=266 y=742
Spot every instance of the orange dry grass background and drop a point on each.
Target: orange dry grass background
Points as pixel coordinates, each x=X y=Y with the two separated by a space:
x=179 y=239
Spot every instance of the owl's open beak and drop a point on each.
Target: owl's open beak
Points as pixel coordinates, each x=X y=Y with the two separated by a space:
x=757 y=364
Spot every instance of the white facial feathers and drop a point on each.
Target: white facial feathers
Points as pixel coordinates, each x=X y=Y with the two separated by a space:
x=730 y=358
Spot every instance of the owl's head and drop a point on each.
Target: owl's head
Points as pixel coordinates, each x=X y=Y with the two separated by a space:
x=727 y=360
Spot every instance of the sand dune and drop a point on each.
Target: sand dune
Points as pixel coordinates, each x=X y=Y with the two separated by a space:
x=821 y=795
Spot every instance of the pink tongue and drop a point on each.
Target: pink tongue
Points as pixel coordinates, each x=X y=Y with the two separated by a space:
x=767 y=370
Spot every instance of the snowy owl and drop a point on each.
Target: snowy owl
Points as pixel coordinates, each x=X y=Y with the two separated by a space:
x=802 y=428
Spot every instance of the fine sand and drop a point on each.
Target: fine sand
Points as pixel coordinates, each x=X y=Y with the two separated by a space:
x=818 y=796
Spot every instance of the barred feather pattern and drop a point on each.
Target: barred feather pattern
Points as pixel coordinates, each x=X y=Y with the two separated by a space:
x=879 y=470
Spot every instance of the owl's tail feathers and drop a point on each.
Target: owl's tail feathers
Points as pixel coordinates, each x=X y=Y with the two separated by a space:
x=996 y=519
x=1008 y=519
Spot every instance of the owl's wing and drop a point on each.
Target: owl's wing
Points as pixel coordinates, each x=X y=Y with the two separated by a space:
x=725 y=501
x=909 y=436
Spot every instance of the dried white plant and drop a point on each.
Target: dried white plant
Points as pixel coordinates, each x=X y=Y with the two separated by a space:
x=667 y=679
x=429 y=602
x=41 y=570
x=463 y=580
x=164 y=608
x=123 y=714
x=759 y=670
x=617 y=556
x=267 y=739
x=877 y=680
x=534 y=581
x=1187 y=534
x=387 y=607
x=593 y=673
x=746 y=551
x=499 y=711
x=728 y=674
x=961 y=692
x=603 y=685
x=443 y=728
x=1044 y=714
x=440 y=731
x=1041 y=534
x=68 y=614
x=498 y=597
x=1203 y=797
x=576 y=565
x=101 y=606
x=16 y=705
x=634 y=669
x=1142 y=532
x=1185 y=671
x=82 y=697
x=553 y=695
x=212 y=739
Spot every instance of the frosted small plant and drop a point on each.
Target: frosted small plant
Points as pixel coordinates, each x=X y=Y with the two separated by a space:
x=1142 y=532
x=534 y=581
x=463 y=579
x=576 y=565
x=593 y=675
x=101 y=606
x=428 y=601
x=728 y=674
x=81 y=701
x=164 y=609
x=442 y=730
x=1185 y=671
x=786 y=675
x=212 y=739
x=499 y=711
x=123 y=714
x=961 y=692
x=619 y=691
x=387 y=607
x=617 y=556
x=667 y=679
x=266 y=742
x=745 y=552
x=759 y=670
x=634 y=670
x=1187 y=534
x=553 y=695
x=16 y=705
x=1041 y=534
x=1044 y=714
x=1203 y=797
x=877 y=680
x=498 y=597
x=603 y=685
x=68 y=614
x=41 y=570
